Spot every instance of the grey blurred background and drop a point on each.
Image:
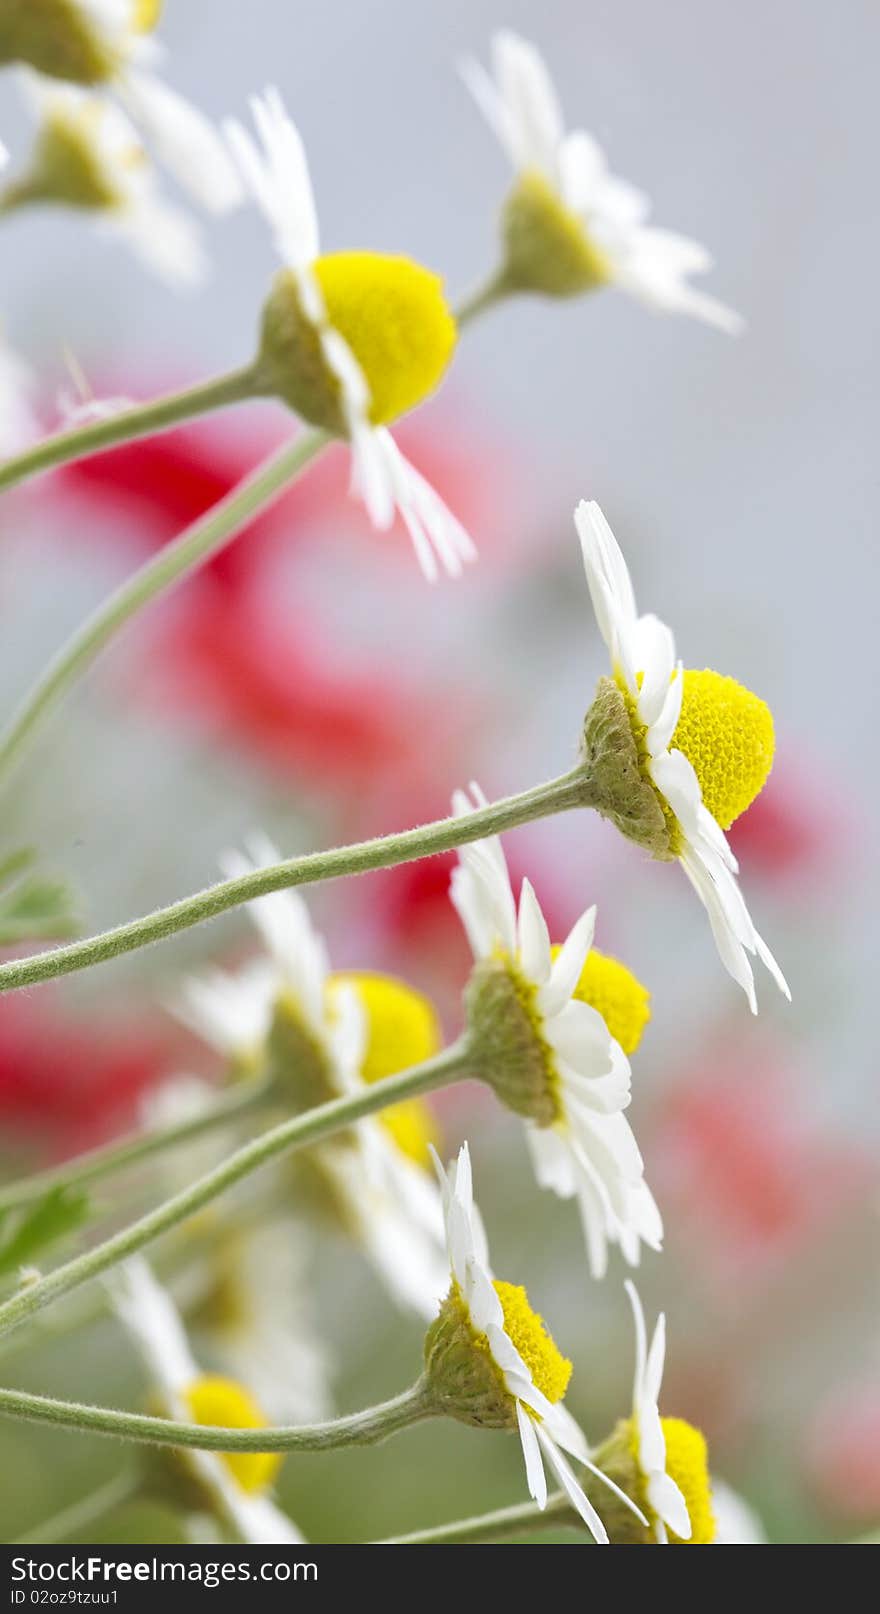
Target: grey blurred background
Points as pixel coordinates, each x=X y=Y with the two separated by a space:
x=739 y=475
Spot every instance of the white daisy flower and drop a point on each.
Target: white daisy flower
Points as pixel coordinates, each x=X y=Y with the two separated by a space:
x=704 y=743
x=236 y=1485
x=382 y=1194
x=589 y=226
x=275 y=172
x=527 y=1374
x=108 y=44
x=88 y=155
x=581 y=1143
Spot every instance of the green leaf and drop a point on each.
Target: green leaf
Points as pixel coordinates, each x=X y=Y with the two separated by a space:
x=26 y=1234
x=33 y=907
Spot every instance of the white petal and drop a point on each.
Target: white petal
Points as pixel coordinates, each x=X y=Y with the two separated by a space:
x=571 y=1487
x=184 y=140
x=536 y=1479
x=534 y=937
x=150 y=1317
x=568 y=964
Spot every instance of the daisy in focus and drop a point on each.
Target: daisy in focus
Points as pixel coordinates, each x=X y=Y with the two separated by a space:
x=351 y=340
x=88 y=156
x=569 y=225
x=541 y=1019
x=700 y=749
x=234 y=1488
x=319 y=1037
x=108 y=45
x=491 y=1362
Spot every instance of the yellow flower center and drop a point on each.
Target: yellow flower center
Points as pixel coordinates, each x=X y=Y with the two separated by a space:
x=215 y=1400
x=618 y=995
x=547 y=249
x=687 y=1464
x=726 y=733
x=527 y=1331
x=402 y=1029
x=395 y=319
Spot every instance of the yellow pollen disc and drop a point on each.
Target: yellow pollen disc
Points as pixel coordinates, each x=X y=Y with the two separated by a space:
x=527 y=1331
x=215 y=1400
x=617 y=994
x=402 y=1030
x=726 y=733
x=395 y=319
x=687 y=1464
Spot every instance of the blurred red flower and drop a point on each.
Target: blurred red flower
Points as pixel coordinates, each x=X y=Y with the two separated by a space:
x=66 y=1083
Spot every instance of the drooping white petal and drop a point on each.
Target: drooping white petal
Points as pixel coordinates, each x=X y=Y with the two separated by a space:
x=536 y=1479
x=572 y=1489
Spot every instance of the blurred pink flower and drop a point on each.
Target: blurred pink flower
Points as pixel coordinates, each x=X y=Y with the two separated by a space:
x=747 y=1175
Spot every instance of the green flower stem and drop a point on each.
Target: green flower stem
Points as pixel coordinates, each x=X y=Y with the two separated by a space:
x=524 y=1519
x=486 y=296
x=126 y=425
x=558 y=795
x=190 y=550
x=453 y=1064
x=87 y=1168
x=124 y=1487
x=358 y=1429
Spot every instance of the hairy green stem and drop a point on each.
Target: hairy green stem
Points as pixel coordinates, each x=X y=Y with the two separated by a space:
x=126 y=425
x=453 y=1064
x=127 y=1151
x=558 y=795
x=524 y=1519
x=357 y=1429
x=124 y=1487
x=173 y=562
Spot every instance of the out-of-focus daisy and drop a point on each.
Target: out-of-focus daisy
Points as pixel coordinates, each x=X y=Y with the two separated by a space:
x=540 y=1038
x=660 y=1462
x=491 y=1362
x=88 y=156
x=243 y=1284
x=233 y=1487
x=108 y=45
x=315 y=1034
x=351 y=340
x=569 y=225
x=736 y=1522
x=676 y=755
